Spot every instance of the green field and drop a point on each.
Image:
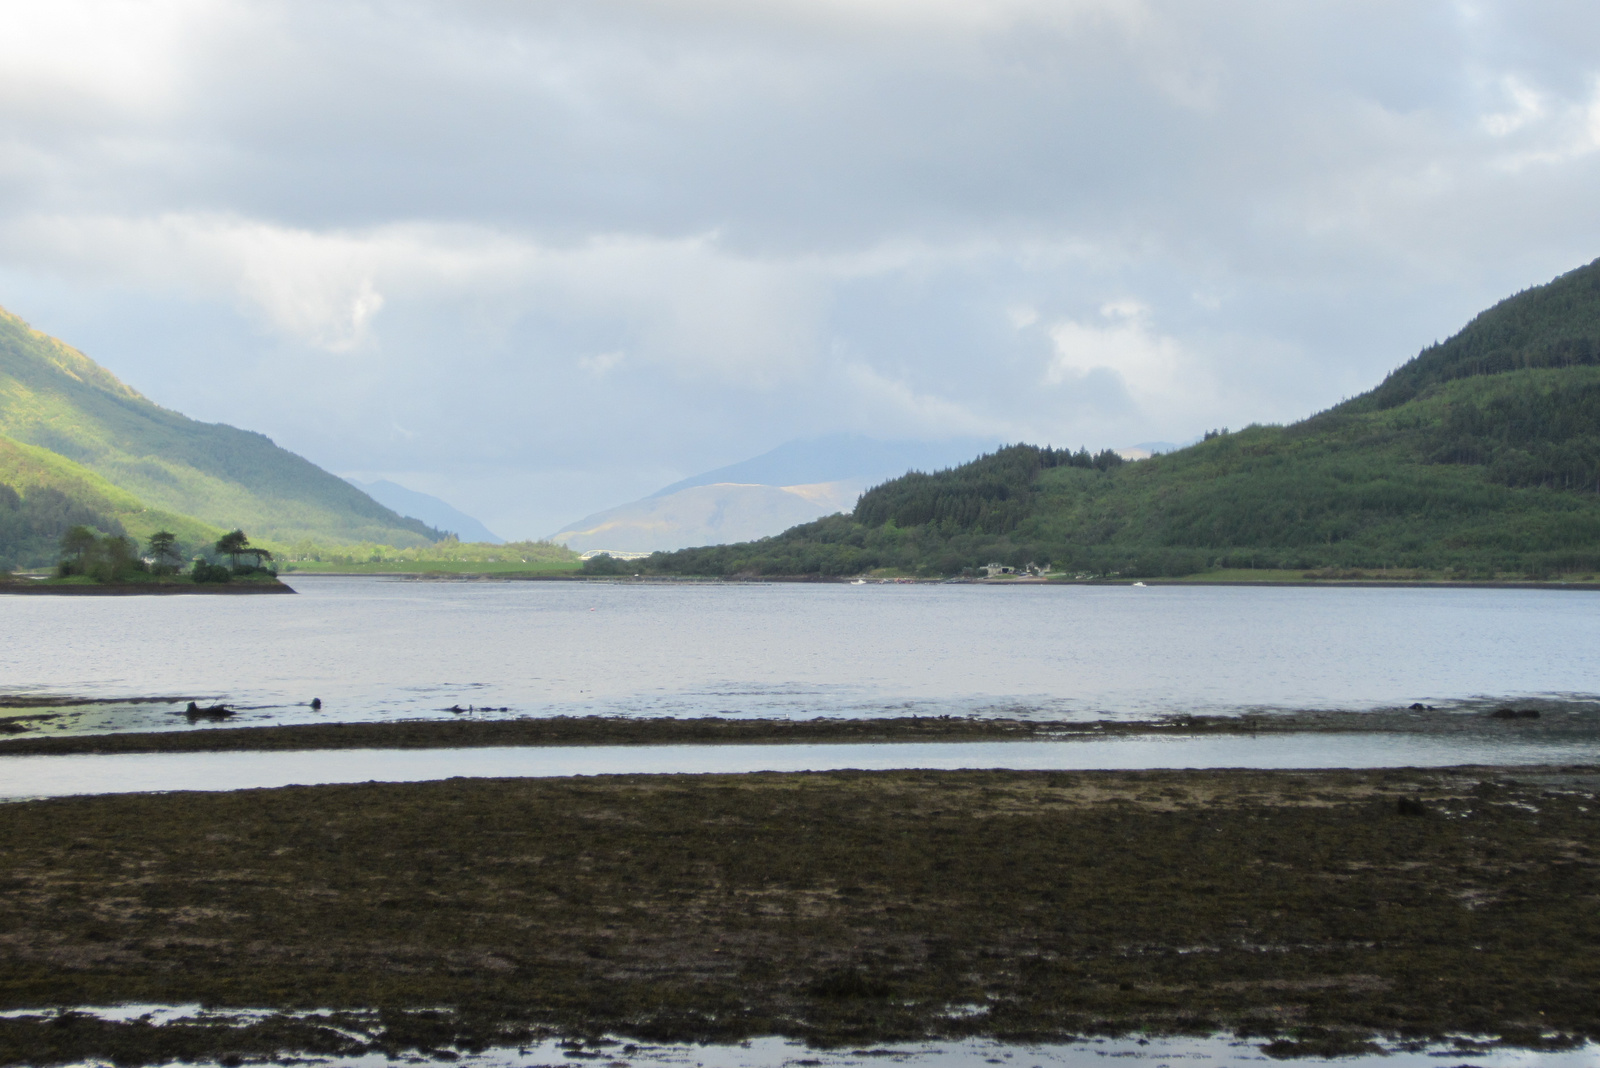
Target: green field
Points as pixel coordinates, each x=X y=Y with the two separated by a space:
x=423 y=567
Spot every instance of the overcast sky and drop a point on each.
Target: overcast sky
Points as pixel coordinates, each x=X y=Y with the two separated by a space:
x=540 y=258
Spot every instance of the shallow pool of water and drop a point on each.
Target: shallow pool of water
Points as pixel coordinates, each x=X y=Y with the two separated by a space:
x=56 y=776
x=1157 y=1052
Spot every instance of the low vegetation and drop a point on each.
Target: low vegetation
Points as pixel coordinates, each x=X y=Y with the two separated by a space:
x=1313 y=910
x=446 y=556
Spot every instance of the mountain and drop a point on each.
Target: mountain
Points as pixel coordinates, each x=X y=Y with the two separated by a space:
x=428 y=509
x=42 y=495
x=53 y=397
x=1479 y=456
x=837 y=458
x=707 y=515
x=794 y=483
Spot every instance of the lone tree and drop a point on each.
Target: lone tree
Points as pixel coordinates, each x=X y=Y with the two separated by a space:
x=163 y=548
x=78 y=542
x=234 y=545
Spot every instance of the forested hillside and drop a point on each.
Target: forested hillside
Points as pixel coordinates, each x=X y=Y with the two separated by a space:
x=56 y=398
x=43 y=495
x=1480 y=456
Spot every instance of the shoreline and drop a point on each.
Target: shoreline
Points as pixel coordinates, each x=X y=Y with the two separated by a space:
x=1312 y=911
x=1556 y=721
x=32 y=588
x=763 y=580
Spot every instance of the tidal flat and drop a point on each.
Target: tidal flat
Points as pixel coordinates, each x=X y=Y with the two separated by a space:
x=1311 y=910
x=28 y=719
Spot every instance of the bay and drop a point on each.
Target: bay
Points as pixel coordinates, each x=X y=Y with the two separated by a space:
x=375 y=648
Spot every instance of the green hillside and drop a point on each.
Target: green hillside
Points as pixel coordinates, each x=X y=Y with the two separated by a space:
x=1481 y=456
x=42 y=495
x=56 y=398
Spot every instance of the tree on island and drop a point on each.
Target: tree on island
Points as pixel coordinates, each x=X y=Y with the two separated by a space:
x=163 y=549
x=107 y=559
x=235 y=544
x=76 y=545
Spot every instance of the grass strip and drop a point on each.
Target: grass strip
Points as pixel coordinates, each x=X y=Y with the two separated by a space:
x=1309 y=907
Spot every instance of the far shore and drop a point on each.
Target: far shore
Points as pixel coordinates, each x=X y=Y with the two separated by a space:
x=1031 y=581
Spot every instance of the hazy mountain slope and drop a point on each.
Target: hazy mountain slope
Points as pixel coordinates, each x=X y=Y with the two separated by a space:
x=441 y=515
x=57 y=398
x=1482 y=454
x=794 y=483
x=837 y=458
x=703 y=515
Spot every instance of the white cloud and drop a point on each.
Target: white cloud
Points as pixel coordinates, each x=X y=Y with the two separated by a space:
x=1527 y=105
x=1154 y=369
x=600 y=363
x=899 y=409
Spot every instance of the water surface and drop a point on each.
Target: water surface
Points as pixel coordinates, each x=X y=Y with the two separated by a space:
x=57 y=776
x=375 y=648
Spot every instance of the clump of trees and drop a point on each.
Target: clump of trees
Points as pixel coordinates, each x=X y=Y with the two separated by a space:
x=234 y=545
x=31 y=526
x=104 y=558
x=117 y=558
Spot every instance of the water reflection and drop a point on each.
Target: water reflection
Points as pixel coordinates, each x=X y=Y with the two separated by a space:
x=1155 y=1052
x=57 y=776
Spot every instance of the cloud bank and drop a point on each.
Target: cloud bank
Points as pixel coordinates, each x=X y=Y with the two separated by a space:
x=542 y=258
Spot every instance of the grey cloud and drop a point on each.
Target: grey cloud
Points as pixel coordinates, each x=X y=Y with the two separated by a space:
x=525 y=245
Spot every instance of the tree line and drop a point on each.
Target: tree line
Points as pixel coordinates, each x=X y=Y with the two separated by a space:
x=117 y=558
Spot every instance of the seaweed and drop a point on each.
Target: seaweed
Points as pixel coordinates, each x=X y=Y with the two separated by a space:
x=839 y=908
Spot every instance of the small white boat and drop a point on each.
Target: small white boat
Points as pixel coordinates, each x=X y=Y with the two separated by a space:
x=859 y=582
x=1139 y=584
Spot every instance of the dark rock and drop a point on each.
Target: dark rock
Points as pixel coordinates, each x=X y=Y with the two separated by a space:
x=1410 y=806
x=194 y=712
x=1515 y=713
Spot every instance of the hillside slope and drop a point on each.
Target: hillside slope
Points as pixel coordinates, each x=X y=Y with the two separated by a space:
x=1481 y=455
x=54 y=397
x=42 y=495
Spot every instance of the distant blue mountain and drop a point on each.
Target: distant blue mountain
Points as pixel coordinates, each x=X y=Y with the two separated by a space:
x=837 y=457
x=795 y=483
x=431 y=510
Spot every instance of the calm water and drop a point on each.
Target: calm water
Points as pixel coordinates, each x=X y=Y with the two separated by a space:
x=376 y=648
x=1210 y=1052
x=60 y=776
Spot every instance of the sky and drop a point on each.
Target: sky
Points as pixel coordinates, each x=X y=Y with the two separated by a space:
x=543 y=257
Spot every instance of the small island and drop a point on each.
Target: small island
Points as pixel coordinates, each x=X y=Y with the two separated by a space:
x=92 y=564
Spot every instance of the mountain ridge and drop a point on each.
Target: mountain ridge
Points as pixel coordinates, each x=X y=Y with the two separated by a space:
x=55 y=397
x=1481 y=455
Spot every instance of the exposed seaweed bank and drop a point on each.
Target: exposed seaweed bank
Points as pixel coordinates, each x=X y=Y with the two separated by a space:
x=1316 y=910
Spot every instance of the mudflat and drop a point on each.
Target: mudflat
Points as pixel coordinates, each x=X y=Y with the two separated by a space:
x=1313 y=909
x=31 y=718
